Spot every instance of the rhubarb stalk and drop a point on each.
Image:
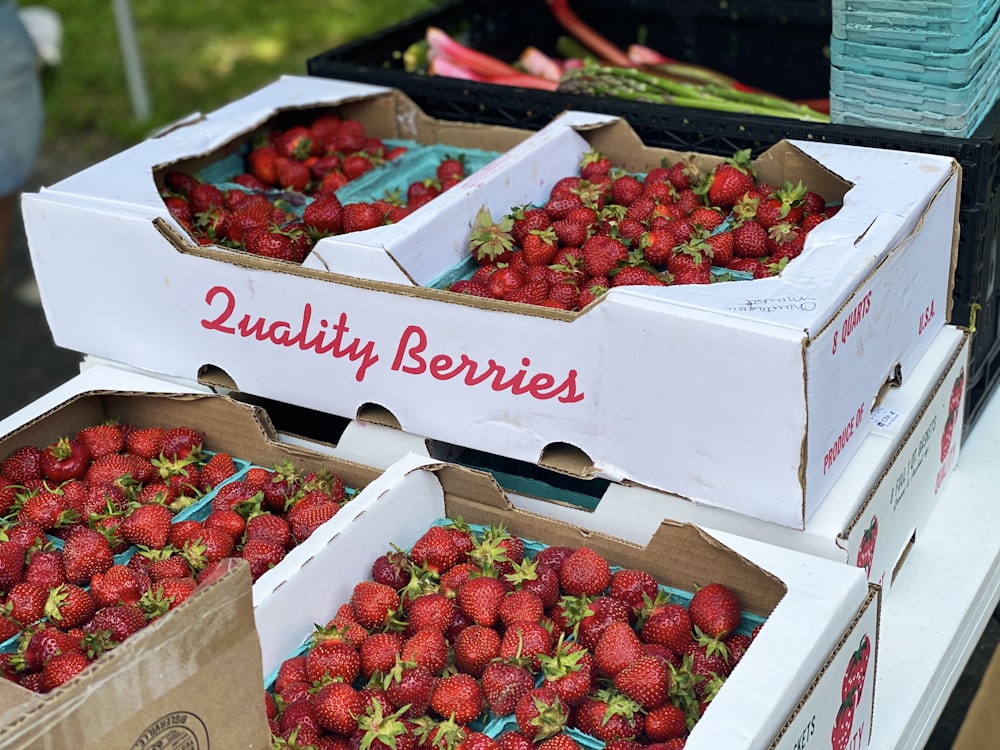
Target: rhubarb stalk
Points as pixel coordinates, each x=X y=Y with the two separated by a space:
x=480 y=63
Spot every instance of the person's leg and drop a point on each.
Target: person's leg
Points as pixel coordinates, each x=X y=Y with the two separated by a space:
x=21 y=125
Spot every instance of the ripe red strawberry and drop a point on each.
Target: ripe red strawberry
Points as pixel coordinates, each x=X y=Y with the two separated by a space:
x=503 y=282
x=69 y=606
x=378 y=653
x=479 y=598
x=541 y=714
x=435 y=550
x=295 y=142
x=609 y=716
x=458 y=697
x=65 y=459
x=633 y=586
x=357 y=217
x=292 y=174
x=730 y=180
x=119 y=584
x=475 y=647
x=145 y=442
x=182 y=442
x=665 y=723
x=25 y=602
x=102 y=439
x=602 y=254
x=23 y=465
x=668 y=624
x=749 y=240
x=226 y=520
x=570 y=670
x=409 y=685
x=62 y=668
x=373 y=604
x=305 y=518
x=261 y=162
x=618 y=647
x=504 y=683
x=117 y=622
x=166 y=594
x=46 y=509
x=45 y=567
x=715 y=610
x=432 y=610
x=218 y=468
x=450 y=168
x=646 y=681
x=324 y=215
x=539 y=247
x=205 y=197
x=86 y=552
x=594 y=164
x=262 y=556
x=625 y=189
x=584 y=572
x=635 y=276
x=524 y=220
x=338 y=706
x=147 y=526
x=208 y=546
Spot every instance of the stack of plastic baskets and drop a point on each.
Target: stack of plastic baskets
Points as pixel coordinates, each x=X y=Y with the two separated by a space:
x=926 y=66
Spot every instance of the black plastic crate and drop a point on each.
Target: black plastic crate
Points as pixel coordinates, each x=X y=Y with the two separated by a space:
x=779 y=46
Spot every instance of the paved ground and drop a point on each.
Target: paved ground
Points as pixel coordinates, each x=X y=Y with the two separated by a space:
x=31 y=365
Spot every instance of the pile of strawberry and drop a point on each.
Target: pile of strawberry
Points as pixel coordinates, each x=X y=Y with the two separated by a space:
x=90 y=547
x=604 y=227
x=469 y=642
x=288 y=167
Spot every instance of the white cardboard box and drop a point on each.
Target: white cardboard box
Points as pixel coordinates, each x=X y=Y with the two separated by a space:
x=749 y=396
x=879 y=502
x=788 y=686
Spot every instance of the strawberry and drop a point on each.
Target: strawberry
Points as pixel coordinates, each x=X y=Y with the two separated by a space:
x=521 y=606
x=102 y=439
x=749 y=240
x=293 y=175
x=69 y=606
x=594 y=164
x=664 y=723
x=526 y=640
x=62 y=668
x=432 y=610
x=730 y=180
x=378 y=653
x=269 y=244
x=208 y=546
x=47 y=509
x=25 y=602
x=450 y=168
x=458 y=697
x=475 y=647
x=525 y=219
x=166 y=594
x=515 y=739
x=715 y=610
x=226 y=520
x=86 y=552
x=602 y=253
x=584 y=572
x=117 y=622
x=504 y=683
x=147 y=526
x=479 y=598
x=646 y=681
x=609 y=716
x=667 y=624
x=305 y=518
x=435 y=550
x=635 y=276
x=503 y=282
x=205 y=198
x=617 y=647
x=409 y=685
x=324 y=216
x=373 y=604
x=182 y=442
x=541 y=714
x=295 y=143
x=23 y=465
x=146 y=442
x=262 y=556
x=218 y=468
x=44 y=567
x=357 y=217
x=12 y=565
x=119 y=584
x=626 y=189
x=338 y=706
x=570 y=670
x=540 y=246
x=633 y=586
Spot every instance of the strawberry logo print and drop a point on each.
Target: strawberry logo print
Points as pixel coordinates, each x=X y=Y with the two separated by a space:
x=954 y=401
x=956 y=391
x=844 y=724
x=946 y=434
x=866 y=552
x=857 y=670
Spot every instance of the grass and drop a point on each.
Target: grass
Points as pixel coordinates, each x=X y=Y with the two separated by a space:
x=196 y=56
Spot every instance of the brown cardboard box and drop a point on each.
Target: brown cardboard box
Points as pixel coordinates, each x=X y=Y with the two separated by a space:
x=193 y=679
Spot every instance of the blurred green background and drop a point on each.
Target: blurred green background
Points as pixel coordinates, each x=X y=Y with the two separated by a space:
x=196 y=56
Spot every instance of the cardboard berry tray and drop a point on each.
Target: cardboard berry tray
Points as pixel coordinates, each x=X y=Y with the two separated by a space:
x=817 y=612
x=692 y=373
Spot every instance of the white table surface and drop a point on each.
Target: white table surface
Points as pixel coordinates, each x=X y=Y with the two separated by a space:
x=943 y=596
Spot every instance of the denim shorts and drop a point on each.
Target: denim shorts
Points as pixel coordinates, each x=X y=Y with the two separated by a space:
x=21 y=109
